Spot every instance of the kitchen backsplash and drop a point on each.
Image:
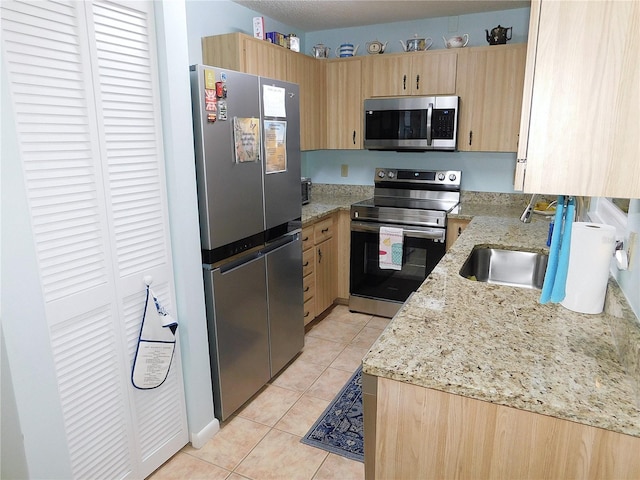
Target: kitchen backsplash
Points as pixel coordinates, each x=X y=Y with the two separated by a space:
x=626 y=332
x=492 y=198
x=341 y=190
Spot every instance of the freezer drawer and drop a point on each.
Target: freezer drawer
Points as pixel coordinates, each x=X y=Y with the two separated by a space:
x=238 y=328
x=284 y=287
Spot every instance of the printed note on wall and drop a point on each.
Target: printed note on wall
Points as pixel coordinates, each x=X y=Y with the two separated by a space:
x=246 y=136
x=275 y=145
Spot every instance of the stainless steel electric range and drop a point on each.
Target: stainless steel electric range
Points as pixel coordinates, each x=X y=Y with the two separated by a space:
x=417 y=202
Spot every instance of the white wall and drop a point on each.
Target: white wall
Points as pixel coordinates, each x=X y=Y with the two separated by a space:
x=215 y=17
x=175 y=92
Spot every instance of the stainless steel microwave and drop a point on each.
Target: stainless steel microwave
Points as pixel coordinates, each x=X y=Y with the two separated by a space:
x=411 y=123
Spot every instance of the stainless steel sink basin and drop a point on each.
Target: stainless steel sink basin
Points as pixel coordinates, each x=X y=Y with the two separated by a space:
x=507 y=267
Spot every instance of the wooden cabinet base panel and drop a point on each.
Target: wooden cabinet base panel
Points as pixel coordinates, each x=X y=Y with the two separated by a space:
x=424 y=433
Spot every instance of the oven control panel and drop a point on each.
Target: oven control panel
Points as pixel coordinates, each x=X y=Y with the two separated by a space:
x=428 y=177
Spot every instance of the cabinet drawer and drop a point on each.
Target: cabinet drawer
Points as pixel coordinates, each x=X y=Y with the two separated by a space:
x=307 y=237
x=323 y=230
x=309 y=286
x=307 y=262
x=309 y=310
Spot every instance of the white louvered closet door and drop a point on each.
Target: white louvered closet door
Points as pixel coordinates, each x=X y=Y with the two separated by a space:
x=84 y=86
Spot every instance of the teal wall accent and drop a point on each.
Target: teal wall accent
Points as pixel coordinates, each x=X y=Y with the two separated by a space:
x=482 y=172
x=205 y=18
x=473 y=24
x=629 y=280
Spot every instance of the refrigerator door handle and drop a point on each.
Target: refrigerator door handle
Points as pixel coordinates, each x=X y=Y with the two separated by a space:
x=239 y=262
x=282 y=241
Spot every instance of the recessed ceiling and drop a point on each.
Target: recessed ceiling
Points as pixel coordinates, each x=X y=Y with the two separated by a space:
x=314 y=15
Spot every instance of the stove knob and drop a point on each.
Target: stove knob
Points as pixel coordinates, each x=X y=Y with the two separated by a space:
x=391 y=175
x=452 y=177
x=381 y=174
x=441 y=176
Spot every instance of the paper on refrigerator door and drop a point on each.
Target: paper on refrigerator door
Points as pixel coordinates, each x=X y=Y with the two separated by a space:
x=273 y=101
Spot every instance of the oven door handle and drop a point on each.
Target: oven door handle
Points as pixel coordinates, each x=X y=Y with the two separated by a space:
x=411 y=232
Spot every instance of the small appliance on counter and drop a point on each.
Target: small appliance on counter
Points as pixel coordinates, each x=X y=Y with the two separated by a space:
x=306 y=190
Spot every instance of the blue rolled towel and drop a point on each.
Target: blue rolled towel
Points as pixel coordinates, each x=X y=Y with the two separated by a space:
x=560 y=283
x=554 y=251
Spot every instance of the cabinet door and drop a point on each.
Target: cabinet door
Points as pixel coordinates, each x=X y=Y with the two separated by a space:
x=344 y=104
x=387 y=76
x=264 y=58
x=583 y=98
x=309 y=74
x=433 y=73
x=490 y=83
x=325 y=275
x=455 y=227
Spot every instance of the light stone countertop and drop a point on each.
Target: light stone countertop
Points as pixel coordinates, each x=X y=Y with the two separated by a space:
x=499 y=344
x=325 y=203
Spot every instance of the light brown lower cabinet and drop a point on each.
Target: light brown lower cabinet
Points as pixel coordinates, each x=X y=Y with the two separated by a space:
x=455 y=227
x=425 y=433
x=319 y=266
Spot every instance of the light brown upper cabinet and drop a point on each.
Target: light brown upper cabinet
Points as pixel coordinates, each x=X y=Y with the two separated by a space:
x=489 y=83
x=579 y=128
x=237 y=51
x=310 y=75
x=243 y=53
x=403 y=74
x=344 y=103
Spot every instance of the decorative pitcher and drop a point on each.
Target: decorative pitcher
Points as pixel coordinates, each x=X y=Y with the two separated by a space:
x=499 y=35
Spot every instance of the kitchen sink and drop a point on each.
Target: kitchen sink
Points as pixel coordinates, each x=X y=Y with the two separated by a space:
x=517 y=268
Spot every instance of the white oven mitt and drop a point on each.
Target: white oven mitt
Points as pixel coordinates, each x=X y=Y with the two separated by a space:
x=156 y=344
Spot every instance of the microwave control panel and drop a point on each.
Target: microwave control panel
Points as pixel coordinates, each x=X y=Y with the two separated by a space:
x=443 y=123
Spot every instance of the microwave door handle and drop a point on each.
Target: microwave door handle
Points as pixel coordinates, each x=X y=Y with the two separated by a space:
x=429 y=115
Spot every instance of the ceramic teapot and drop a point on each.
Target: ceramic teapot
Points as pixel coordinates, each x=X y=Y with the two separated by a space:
x=376 y=47
x=346 y=50
x=499 y=35
x=320 y=51
x=456 y=42
x=416 y=44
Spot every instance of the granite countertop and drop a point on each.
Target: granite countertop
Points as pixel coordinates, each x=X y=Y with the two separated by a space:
x=326 y=202
x=499 y=344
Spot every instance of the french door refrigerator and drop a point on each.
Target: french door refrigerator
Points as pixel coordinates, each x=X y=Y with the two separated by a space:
x=247 y=142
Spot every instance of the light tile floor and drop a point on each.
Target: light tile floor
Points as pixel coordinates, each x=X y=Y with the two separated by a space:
x=262 y=440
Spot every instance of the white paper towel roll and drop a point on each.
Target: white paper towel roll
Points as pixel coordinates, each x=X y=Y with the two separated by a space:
x=592 y=247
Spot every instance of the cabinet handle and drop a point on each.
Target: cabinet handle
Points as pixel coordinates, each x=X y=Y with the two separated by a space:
x=306 y=314
x=325 y=230
x=306 y=264
x=459 y=231
x=319 y=256
x=470 y=136
x=354 y=137
x=417 y=82
x=404 y=82
x=307 y=289
x=305 y=239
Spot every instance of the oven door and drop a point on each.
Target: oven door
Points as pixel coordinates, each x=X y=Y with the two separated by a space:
x=423 y=247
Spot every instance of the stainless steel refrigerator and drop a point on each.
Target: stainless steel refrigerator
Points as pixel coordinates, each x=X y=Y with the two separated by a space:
x=247 y=143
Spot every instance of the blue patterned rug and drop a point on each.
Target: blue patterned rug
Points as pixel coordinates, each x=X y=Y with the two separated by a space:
x=339 y=429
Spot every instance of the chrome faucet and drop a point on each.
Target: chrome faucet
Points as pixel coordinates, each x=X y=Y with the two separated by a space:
x=526 y=215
